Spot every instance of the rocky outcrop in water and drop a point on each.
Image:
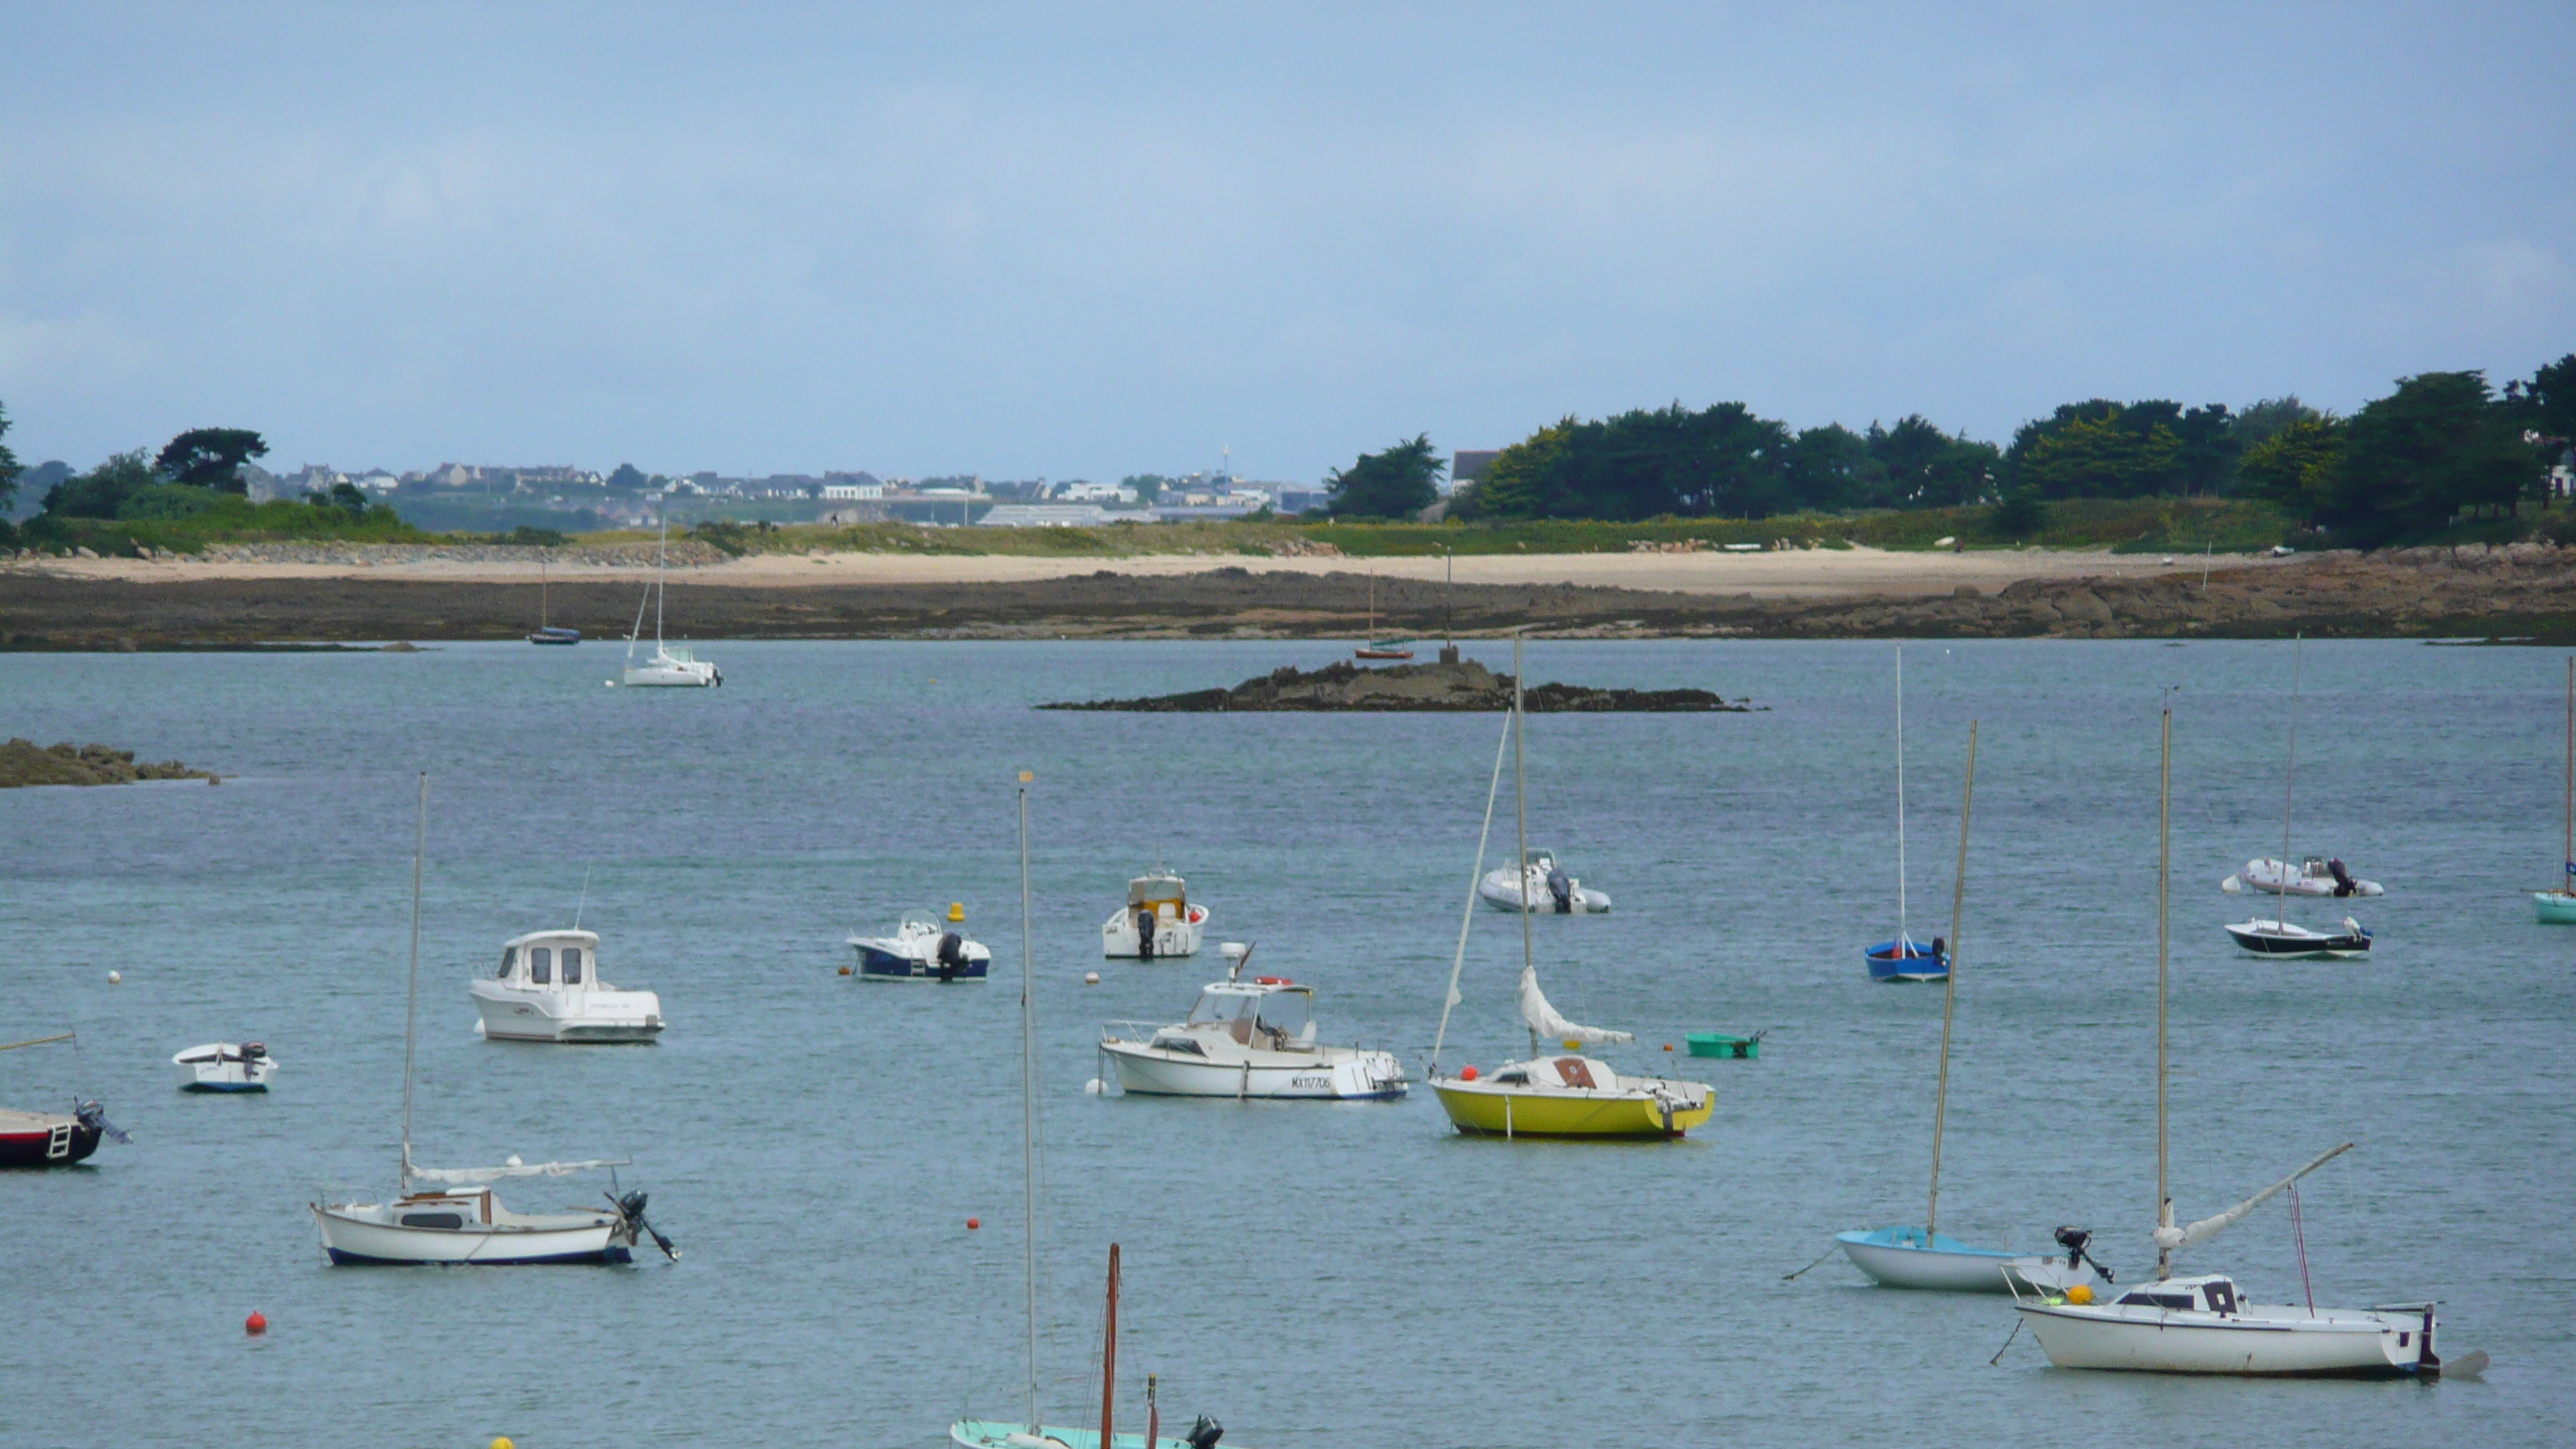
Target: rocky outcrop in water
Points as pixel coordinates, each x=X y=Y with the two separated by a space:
x=24 y=762
x=1466 y=686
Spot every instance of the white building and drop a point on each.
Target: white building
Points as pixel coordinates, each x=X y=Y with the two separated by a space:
x=853 y=491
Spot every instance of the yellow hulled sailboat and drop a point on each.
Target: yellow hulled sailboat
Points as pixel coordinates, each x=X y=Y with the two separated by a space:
x=1569 y=1095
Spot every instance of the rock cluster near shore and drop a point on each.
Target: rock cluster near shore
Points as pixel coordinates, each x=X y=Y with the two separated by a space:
x=24 y=762
x=1408 y=688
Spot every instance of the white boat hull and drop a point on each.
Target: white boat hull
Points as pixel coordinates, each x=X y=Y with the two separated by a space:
x=1178 y=937
x=1935 y=1271
x=567 y=1016
x=367 y=1233
x=671 y=676
x=1499 y=890
x=2264 y=1340
x=1327 y=1074
x=222 y=1074
x=2555 y=908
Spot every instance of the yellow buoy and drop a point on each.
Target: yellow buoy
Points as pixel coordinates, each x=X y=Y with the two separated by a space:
x=2080 y=1294
x=502 y=1441
x=956 y=910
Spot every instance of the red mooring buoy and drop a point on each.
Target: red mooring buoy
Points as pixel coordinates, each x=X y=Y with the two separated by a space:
x=256 y=1324
x=973 y=1223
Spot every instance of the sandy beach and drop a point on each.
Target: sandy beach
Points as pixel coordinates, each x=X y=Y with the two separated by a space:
x=1796 y=573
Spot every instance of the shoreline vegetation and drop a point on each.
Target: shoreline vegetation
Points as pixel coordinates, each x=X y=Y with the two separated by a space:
x=24 y=763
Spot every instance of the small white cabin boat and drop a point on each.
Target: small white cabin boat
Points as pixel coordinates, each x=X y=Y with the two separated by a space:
x=222 y=1066
x=1158 y=920
x=2313 y=877
x=1247 y=1039
x=548 y=989
x=1542 y=881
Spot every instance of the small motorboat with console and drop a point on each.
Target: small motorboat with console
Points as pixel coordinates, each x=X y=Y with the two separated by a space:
x=1159 y=919
x=53 y=1139
x=2314 y=877
x=549 y=989
x=2291 y=941
x=222 y=1066
x=922 y=950
x=1247 y=1039
x=1542 y=880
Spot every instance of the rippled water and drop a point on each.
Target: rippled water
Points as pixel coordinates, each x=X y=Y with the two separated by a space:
x=1312 y=1274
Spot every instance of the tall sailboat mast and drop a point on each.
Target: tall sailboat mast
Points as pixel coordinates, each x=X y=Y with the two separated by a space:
x=1903 y=946
x=1949 y=991
x=2289 y=774
x=1109 y=1357
x=2164 y=891
x=411 y=989
x=2567 y=864
x=661 y=569
x=1028 y=1108
x=1520 y=814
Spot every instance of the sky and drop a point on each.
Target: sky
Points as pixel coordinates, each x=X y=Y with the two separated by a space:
x=1074 y=241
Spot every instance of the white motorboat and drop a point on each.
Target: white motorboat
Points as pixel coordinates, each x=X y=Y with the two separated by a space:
x=549 y=989
x=1158 y=920
x=1541 y=880
x=2313 y=877
x=222 y=1066
x=456 y=1218
x=2206 y=1324
x=1247 y=1039
x=2291 y=942
x=921 y=949
x=667 y=668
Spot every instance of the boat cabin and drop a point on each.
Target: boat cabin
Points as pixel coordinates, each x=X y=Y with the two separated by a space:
x=1575 y=1073
x=453 y=1207
x=1268 y=1013
x=1161 y=892
x=2185 y=1295
x=551 y=961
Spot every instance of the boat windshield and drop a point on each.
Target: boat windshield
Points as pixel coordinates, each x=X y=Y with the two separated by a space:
x=1224 y=1007
x=1543 y=859
x=1290 y=1014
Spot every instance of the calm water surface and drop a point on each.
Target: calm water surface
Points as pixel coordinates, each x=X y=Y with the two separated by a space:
x=1313 y=1274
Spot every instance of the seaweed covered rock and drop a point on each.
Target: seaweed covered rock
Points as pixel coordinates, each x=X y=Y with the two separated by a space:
x=1464 y=686
x=24 y=762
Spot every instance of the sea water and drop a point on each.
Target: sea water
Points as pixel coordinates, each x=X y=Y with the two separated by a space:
x=1310 y=1274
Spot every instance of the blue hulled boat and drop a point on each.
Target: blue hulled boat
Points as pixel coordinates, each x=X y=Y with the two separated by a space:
x=1906 y=959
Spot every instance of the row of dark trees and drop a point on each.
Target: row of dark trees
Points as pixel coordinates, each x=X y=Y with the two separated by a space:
x=2444 y=444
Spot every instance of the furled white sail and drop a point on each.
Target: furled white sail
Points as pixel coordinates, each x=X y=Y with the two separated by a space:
x=2170 y=1237
x=473 y=1176
x=1542 y=1017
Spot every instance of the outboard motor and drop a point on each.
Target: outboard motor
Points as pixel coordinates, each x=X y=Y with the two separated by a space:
x=1205 y=1433
x=1145 y=933
x=952 y=955
x=252 y=1051
x=2344 y=885
x=1940 y=951
x=94 y=1117
x=631 y=1208
x=2073 y=1241
x=1561 y=888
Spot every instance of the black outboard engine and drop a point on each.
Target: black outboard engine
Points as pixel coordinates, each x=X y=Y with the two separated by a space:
x=631 y=1208
x=2073 y=1241
x=952 y=955
x=94 y=1117
x=1561 y=888
x=1205 y=1433
x=1940 y=950
x=1145 y=933
x=252 y=1051
x=2344 y=885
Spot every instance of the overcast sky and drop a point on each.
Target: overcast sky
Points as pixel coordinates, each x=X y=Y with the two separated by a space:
x=1020 y=242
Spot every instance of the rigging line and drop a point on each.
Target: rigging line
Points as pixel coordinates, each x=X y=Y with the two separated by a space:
x=1950 y=989
x=411 y=1000
x=2164 y=891
x=1820 y=1257
x=2288 y=774
x=585 y=904
x=1475 y=877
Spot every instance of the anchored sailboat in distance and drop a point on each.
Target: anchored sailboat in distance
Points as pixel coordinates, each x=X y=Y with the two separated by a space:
x=669 y=667
x=549 y=632
x=1904 y=959
x=2280 y=936
x=2558 y=907
x=1550 y=1096
x=1377 y=648
x=2203 y=1324
x=1912 y=1257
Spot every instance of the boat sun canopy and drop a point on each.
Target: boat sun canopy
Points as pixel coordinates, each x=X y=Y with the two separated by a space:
x=2169 y=1237
x=476 y=1176
x=1544 y=1020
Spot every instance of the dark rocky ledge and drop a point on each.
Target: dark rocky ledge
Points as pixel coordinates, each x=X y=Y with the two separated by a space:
x=24 y=762
x=1410 y=687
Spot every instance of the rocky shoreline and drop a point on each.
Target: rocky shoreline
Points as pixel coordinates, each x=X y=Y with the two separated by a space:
x=24 y=763
x=1344 y=687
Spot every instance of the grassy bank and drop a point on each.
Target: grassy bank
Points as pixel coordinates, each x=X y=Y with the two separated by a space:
x=2141 y=525
x=229 y=519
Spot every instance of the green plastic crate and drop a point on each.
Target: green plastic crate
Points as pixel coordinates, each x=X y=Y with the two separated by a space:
x=1719 y=1044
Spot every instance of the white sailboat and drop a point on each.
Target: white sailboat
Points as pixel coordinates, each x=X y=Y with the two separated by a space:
x=1925 y=1257
x=1033 y=1432
x=668 y=668
x=1903 y=958
x=2558 y=907
x=2281 y=937
x=451 y=1215
x=2204 y=1324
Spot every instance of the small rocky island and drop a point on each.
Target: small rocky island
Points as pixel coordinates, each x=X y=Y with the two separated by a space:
x=1459 y=687
x=24 y=762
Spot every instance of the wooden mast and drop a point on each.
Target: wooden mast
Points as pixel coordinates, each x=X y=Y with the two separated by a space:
x=1949 y=992
x=1109 y=1354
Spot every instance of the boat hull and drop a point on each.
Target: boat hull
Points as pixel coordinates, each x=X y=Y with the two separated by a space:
x=2554 y=908
x=987 y=1434
x=1480 y=1111
x=703 y=677
x=1899 y=1258
x=568 y=1018
x=1334 y=1075
x=2278 y=1343
x=353 y=1240
x=1180 y=937
x=1913 y=962
x=1499 y=891
x=877 y=965
x=44 y=1139
x=2306 y=946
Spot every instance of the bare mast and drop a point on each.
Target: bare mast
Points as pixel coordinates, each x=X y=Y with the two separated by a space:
x=1950 y=992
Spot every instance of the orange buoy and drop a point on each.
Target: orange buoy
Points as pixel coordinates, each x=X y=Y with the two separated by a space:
x=973 y=1223
x=256 y=1324
x=845 y=970
x=1668 y=1046
x=1467 y=1074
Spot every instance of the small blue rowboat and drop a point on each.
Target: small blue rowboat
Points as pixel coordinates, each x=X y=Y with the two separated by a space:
x=1906 y=959
x=1908 y=1257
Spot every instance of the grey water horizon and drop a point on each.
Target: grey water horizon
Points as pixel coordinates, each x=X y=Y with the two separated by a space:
x=1308 y=1273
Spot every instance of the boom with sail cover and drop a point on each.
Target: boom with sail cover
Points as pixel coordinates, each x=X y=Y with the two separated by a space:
x=1544 y=1020
x=2170 y=1238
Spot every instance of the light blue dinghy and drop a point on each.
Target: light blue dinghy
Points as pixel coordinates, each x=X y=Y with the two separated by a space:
x=984 y=1434
x=1909 y=1257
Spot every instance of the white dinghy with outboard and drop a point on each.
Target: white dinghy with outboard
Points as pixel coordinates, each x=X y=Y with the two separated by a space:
x=223 y=1066
x=2280 y=936
x=2312 y=877
x=1158 y=919
x=1247 y=1039
x=451 y=1215
x=2205 y=1324
x=1543 y=883
x=548 y=990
